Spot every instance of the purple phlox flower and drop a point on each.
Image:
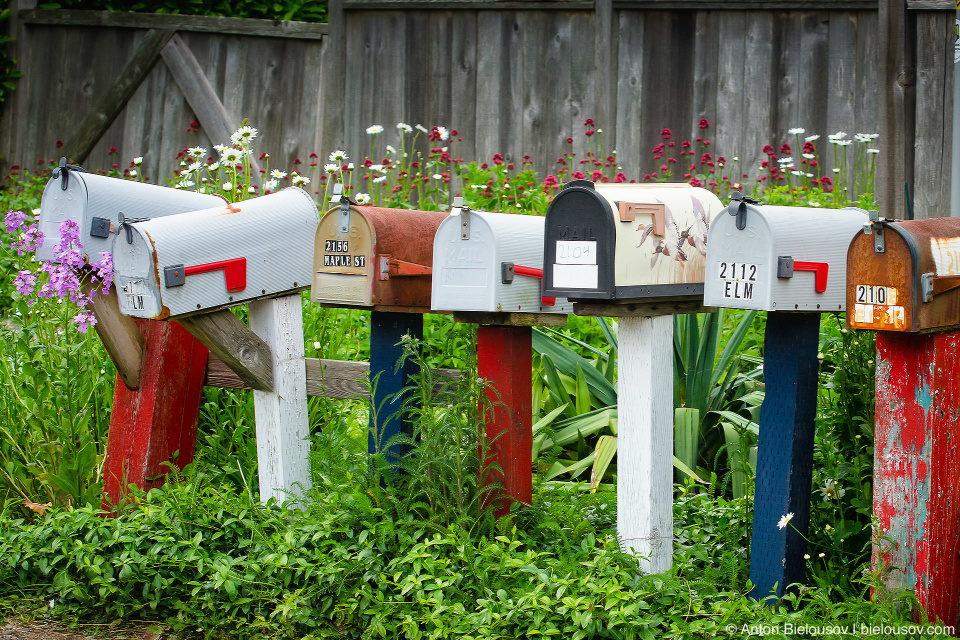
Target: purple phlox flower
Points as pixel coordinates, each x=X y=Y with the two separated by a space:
x=84 y=320
x=63 y=281
x=25 y=282
x=15 y=220
x=104 y=271
x=31 y=240
x=67 y=250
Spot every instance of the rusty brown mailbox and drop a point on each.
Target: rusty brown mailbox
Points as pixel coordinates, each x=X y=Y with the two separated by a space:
x=376 y=258
x=904 y=275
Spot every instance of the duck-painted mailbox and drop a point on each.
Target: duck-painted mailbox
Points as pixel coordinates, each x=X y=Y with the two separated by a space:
x=488 y=269
x=637 y=252
x=215 y=258
x=790 y=262
x=160 y=366
x=902 y=281
x=379 y=259
x=96 y=203
x=193 y=266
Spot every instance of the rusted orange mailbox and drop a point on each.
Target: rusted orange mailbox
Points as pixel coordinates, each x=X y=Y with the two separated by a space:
x=903 y=280
x=379 y=259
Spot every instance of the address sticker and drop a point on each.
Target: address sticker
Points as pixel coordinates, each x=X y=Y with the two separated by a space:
x=576 y=252
x=875 y=307
x=739 y=279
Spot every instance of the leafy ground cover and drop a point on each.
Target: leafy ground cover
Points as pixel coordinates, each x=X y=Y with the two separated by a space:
x=374 y=553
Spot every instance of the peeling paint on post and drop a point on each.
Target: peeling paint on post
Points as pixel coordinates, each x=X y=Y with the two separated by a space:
x=916 y=493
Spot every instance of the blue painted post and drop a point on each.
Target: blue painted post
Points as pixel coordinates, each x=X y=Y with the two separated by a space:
x=386 y=331
x=785 y=451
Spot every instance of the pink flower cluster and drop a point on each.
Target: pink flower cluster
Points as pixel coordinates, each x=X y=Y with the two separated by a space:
x=64 y=273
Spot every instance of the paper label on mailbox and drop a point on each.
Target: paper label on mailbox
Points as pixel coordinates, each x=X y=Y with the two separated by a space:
x=946 y=255
x=739 y=279
x=575 y=276
x=876 y=308
x=576 y=252
x=133 y=292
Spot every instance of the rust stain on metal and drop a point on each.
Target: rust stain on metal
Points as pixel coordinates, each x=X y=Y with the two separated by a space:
x=164 y=311
x=230 y=209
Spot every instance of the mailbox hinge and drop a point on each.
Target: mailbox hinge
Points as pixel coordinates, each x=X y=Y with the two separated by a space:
x=459 y=209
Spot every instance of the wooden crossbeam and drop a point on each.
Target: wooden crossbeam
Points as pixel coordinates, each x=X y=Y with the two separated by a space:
x=235 y=345
x=338 y=379
x=112 y=102
x=120 y=335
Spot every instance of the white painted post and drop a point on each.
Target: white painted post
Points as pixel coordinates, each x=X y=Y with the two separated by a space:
x=283 y=428
x=645 y=440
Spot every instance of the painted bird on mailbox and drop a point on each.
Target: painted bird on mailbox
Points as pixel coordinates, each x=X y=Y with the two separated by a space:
x=646 y=232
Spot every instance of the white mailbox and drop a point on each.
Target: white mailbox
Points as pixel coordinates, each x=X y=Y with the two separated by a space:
x=204 y=260
x=777 y=258
x=622 y=242
x=96 y=202
x=491 y=262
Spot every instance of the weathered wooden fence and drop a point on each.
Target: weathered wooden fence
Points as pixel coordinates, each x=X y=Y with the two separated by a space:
x=513 y=77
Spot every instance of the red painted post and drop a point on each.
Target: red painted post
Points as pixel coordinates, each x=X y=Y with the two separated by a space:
x=916 y=491
x=504 y=359
x=149 y=425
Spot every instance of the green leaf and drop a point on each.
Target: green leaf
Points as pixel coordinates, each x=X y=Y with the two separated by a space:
x=603 y=454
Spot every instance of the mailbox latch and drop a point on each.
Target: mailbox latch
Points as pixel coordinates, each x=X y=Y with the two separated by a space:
x=344 y=207
x=62 y=171
x=786 y=265
x=741 y=211
x=875 y=227
x=509 y=269
x=127 y=223
x=459 y=209
x=100 y=227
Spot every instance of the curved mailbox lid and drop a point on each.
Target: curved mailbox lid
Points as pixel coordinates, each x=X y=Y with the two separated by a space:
x=484 y=271
x=95 y=203
x=783 y=259
x=649 y=240
x=384 y=261
x=205 y=260
x=913 y=284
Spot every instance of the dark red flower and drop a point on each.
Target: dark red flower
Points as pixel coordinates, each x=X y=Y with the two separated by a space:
x=785 y=149
x=694 y=182
x=685 y=144
x=589 y=132
x=313 y=155
x=59 y=143
x=588 y=122
x=620 y=177
x=768 y=149
x=704 y=124
x=569 y=140
x=497 y=159
x=666 y=133
x=596 y=175
x=578 y=175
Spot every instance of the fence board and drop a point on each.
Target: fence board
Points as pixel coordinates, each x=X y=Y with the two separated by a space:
x=934 y=128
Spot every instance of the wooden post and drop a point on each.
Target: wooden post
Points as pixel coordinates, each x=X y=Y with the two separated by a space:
x=916 y=491
x=785 y=451
x=387 y=329
x=283 y=426
x=156 y=423
x=504 y=359
x=645 y=440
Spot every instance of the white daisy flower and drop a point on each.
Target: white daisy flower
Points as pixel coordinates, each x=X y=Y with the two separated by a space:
x=437 y=176
x=299 y=181
x=251 y=189
x=839 y=135
x=422 y=128
x=196 y=152
x=229 y=157
x=873 y=150
x=138 y=160
x=797 y=173
x=276 y=174
x=812 y=138
x=185 y=184
x=390 y=149
x=270 y=185
x=133 y=173
x=228 y=186
x=784 y=520
x=363 y=198
x=196 y=166
x=330 y=168
x=244 y=135
x=403 y=127
x=380 y=179
x=797 y=131
x=338 y=156
x=316 y=345
x=815 y=204
x=836 y=169
x=374 y=129
x=809 y=156
x=376 y=167
x=444 y=132
x=349 y=166
x=220 y=148
x=843 y=143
